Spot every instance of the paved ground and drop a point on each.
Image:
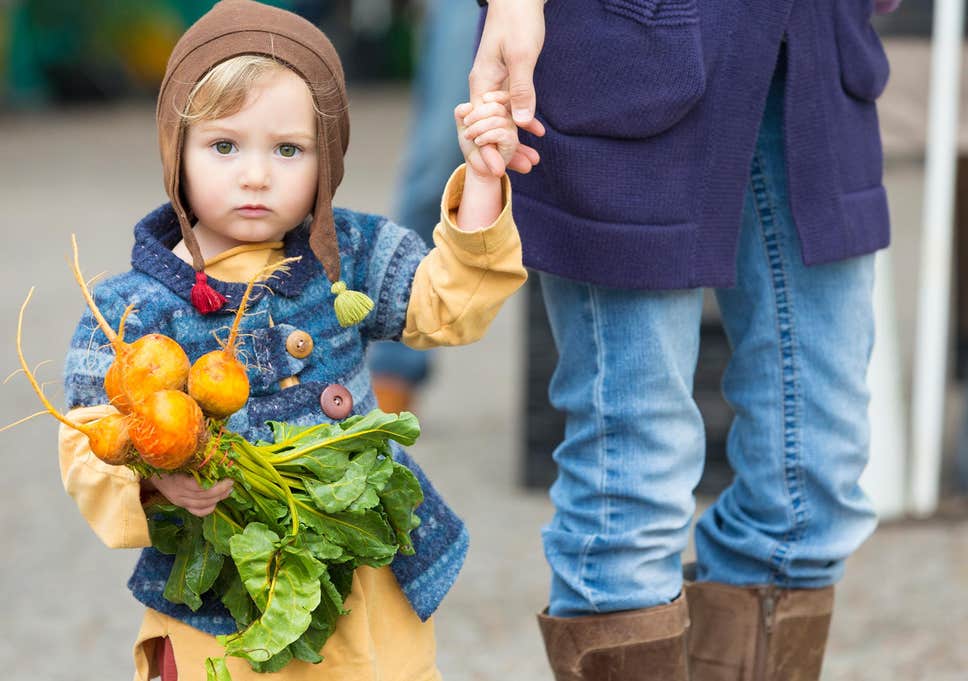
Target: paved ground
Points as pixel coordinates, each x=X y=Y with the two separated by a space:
x=903 y=611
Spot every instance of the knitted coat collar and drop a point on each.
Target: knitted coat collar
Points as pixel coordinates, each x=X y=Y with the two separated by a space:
x=159 y=231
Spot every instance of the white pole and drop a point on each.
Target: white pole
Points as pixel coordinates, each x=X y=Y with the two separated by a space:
x=934 y=295
x=885 y=478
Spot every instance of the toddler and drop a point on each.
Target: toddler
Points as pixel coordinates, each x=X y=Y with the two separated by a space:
x=253 y=126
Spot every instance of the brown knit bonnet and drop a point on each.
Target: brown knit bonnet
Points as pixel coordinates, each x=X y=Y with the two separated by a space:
x=243 y=27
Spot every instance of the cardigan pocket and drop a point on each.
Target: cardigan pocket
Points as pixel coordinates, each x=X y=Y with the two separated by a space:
x=864 y=68
x=627 y=69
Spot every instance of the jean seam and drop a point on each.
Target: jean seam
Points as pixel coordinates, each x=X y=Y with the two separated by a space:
x=792 y=445
x=598 y=402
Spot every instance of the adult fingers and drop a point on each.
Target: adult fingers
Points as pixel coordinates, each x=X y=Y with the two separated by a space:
x=531 y=153
x=521 y=86
x=520 y=163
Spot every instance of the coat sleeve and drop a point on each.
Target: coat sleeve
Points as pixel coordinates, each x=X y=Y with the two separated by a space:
x=108 y=497
x=461 y=284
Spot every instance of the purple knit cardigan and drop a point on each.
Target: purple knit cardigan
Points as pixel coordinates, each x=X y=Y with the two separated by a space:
x=652 y=108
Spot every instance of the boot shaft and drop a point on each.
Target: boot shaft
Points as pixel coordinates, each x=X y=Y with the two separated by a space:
x=757 y=633
x=634 y=645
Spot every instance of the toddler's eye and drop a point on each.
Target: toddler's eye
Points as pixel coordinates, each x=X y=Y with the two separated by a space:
x=288 y=150
x=223 y=148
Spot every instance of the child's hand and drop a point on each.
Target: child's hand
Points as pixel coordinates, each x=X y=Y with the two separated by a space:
x=487 y=134
x=182 y=490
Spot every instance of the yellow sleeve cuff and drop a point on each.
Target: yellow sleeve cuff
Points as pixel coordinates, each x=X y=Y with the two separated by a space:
x=462 y=283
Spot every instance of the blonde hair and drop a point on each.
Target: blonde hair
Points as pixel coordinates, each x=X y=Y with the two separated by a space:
x=222 y=91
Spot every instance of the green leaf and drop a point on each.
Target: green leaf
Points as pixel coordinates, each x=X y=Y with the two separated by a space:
x=274 y=663
x=218 y=529
x=381 y=473
x=366 y=534
x=294 y=593
x=189 y=570
x=377 y=427
x=235 y=597
x=216 y=669
x=400 y=497
x=253 y=551
x=367 y=500
x=164 y=535
x=324 y=465
x=204 y=565
x=282 y=432
x=321 y=548
x=336 y=496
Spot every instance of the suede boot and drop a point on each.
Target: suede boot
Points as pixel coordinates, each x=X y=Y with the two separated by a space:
x=633 y=645
x=758 y=633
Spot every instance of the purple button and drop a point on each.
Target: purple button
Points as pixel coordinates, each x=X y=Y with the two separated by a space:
x=336 y=401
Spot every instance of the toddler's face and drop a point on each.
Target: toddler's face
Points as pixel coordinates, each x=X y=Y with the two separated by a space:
x=252 y=176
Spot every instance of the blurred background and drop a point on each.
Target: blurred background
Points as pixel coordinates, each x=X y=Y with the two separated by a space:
x=78 y=154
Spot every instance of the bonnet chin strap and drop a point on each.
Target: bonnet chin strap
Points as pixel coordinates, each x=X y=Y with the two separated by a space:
x=351 y=307
x=204 y=298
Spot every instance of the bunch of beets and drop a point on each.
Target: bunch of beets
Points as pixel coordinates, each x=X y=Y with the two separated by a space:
x=306 y=509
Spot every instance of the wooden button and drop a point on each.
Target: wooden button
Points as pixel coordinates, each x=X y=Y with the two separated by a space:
x=336 y=401
x=299 y=344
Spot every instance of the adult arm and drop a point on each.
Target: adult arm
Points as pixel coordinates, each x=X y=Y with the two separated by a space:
x=513 y=36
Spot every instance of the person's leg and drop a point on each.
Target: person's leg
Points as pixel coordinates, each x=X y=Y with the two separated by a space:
x=631 y=457
x=432 y=154
x=773 y=544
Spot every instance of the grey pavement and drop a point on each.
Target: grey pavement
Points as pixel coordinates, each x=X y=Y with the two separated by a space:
x=903 y=606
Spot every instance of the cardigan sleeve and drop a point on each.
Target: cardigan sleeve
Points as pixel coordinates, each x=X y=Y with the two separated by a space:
x=461 y=284
x=108 y=497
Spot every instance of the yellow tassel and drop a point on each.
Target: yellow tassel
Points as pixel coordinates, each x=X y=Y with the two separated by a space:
x=351 y=306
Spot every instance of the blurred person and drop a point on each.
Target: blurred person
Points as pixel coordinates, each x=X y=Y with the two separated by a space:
x=446 y=51
x=253 y=125
x=699 y=144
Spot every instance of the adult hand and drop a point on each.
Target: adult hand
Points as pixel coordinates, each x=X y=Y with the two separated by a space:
x=510 y=44
x=182 y=490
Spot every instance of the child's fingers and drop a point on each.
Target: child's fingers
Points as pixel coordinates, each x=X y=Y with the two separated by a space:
x=485 y=111
x=499 y=96
x=482 y=126
x=477 y=162
x=492 y=158
x=461 y=110
x=495 y=136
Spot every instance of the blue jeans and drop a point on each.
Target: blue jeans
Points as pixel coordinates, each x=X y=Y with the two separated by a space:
x=432 y=154
x=634 y=444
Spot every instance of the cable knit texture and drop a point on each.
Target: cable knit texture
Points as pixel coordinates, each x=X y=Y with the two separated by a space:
x=379 y=258
x=651 y=109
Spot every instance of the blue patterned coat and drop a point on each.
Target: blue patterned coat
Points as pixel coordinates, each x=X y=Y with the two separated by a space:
x=377 y=257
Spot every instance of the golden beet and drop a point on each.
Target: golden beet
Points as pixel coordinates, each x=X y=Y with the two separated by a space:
x=167 y=429
x=219 y=384
x=109 y=439
x=153 y=362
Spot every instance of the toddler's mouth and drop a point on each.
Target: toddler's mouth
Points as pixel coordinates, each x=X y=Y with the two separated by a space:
x=252 y=210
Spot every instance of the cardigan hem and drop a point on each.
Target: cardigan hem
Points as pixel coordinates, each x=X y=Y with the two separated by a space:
x=653 y=257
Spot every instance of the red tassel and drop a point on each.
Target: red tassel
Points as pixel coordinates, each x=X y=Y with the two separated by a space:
x=206 y=299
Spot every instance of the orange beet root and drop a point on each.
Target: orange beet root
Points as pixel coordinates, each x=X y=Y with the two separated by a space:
x=167 y=429
x=219 y=384
x=109 y=439
x=218 y=380
x=152 y=363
